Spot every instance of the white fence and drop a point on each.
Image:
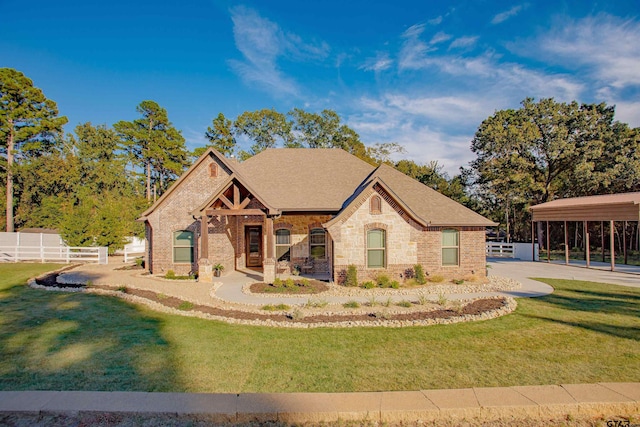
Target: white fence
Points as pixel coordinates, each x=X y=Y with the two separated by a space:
x=136 y=247
x=56 y=254
x=511 y=250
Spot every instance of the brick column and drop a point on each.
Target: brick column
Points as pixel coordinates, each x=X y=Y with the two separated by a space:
x=205 y=272
x=269 y=263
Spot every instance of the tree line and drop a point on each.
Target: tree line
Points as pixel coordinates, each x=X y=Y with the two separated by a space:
x=93 y=183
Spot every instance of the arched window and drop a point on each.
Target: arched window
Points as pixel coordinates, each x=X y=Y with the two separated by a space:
x=375 y=205
x=183 y=246
x=450 y=247
x=283 y=244
x=376 y=248
x=213 y=170
x=318 y=243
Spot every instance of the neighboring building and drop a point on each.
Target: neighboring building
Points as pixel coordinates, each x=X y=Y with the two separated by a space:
x=316 y=209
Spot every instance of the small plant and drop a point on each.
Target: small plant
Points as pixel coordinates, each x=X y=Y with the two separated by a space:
x=442 y=299
x=268 y=307
x=289 y=283
x=351 y=278
x=282 y=307
x=423 y=300
x=317 y=303
x=351 y=304
x=457 y=307
x=122 y=289
x=304 y=282
x=419 y=272
x=161 y=296
x=170 y=275
x=383 y=315
x=89 y=283
x=218 y=267
x=368 y=285
x=185 y=306
x=404 y=303
x=277 y=282
x=295 y=270
x=383 y=281
x=388 y=302
x=411 y=282
x=458 y=281
x=394 y=284
x=140 y=262
x=437 y=279
x=372 y=301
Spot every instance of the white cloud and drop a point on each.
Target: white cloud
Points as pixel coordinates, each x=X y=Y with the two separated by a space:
x=435 y=21
x=607 y=46
x=501 y=17
x=627 y=112
x=463 y=42
x=380 y=62
x=439 y=37
x=262 y=43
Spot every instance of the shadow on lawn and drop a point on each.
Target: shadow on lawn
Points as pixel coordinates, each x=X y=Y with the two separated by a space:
x=62 y=341
x=591 y=308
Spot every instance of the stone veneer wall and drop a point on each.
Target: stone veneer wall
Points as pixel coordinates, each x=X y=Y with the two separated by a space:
x=300 y=225
x=350 y=241
x=407 y=244
x=173 y=214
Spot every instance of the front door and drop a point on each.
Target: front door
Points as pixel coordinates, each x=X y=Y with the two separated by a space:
x=253 y=245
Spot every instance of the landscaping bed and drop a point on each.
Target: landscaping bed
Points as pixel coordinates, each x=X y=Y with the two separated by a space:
x=300 y=286
x=413 y=314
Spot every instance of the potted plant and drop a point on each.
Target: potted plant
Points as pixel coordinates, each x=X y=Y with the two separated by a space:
x=217 y=269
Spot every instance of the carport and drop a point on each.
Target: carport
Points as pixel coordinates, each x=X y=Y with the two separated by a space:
x=609 y=208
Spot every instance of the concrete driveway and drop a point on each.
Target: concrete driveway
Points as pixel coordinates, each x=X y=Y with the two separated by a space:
x=524 y=271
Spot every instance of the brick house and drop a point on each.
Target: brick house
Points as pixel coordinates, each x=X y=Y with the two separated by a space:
x=315 y=210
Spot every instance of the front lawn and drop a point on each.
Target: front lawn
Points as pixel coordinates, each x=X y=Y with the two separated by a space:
x=583 y=332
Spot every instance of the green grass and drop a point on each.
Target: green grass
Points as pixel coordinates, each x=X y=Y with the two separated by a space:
x=583 y=332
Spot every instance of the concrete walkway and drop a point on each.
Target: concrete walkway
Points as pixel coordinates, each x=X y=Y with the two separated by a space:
x=479 y=404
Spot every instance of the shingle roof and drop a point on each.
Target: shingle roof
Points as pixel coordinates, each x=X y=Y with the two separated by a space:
x=432 y=207
x=302 y=179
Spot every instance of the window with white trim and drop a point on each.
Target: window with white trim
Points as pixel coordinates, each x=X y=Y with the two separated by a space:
x=318 y=243
x=450 y=247
x=376 y=248
x=183 y=246
x=283 y=244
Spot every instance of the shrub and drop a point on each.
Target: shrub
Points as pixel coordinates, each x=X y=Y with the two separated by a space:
x=368 y=285
x=122 y=289
x=170 y=275
x=277 y=282
x=442 y=299
x=282 y=307
x=351 y=304
x=457 y=307
x=458 y=281
x=317 y=303
x=185 y=306
x=268 y=307
x=161 y=296
x=297 y=314
x=437 y=279
x=289 y=283
x=423 y=300
x=304 y=282
x=419 y=272
x=352 y=276
x=388 y=302
x=411 y=282
x=140 y=262
x=383 y=281
x=394 y=284
x=405 y=303
x=372 y=301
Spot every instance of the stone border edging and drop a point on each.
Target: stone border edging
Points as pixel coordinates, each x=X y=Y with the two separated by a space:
x=509 y=306
x=496 y=284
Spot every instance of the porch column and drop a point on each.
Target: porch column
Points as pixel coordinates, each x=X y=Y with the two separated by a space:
x=612 y=243
x=548 y=244
x=624 y=242
x=533 y=240
x=205 y=270
x=269 y=263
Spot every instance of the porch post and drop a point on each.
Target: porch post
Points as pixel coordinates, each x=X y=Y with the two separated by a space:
x=205 y=270
x=269 y=263
x=533 y=240
x=602 y=238
x=624 y=242
x=612 y=243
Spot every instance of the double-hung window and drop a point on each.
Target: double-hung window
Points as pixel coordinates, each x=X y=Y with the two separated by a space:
x=283 y=244
x=450 y=247
x=318 y=243
x=183 y=246
x=376 y=248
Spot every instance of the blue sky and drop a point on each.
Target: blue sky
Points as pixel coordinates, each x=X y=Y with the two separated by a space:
x=420 y=73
